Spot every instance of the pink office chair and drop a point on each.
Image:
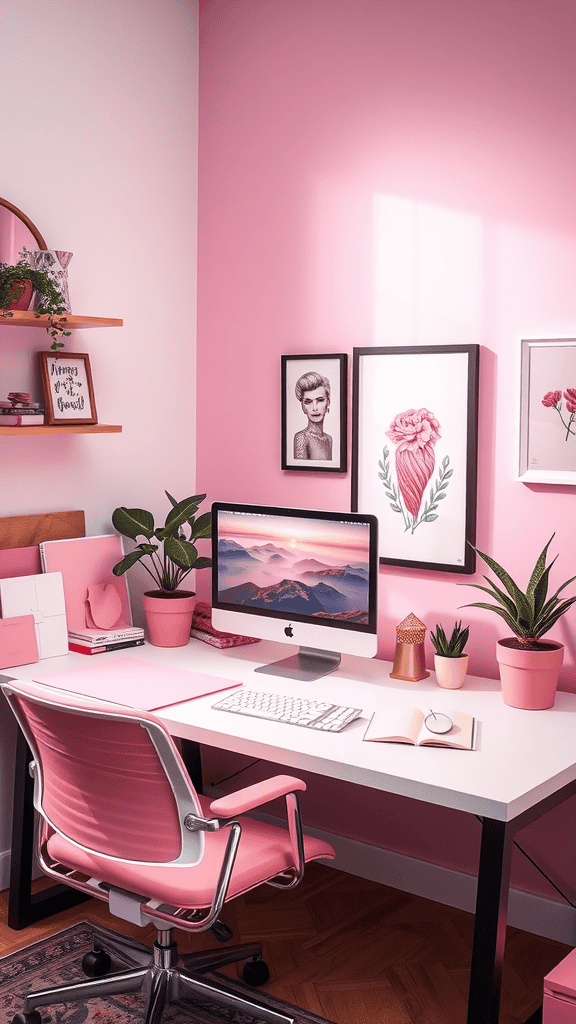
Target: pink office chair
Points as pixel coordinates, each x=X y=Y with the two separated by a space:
x=120 y=820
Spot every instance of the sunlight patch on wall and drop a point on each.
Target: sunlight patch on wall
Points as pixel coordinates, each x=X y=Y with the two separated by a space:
x=428 y=274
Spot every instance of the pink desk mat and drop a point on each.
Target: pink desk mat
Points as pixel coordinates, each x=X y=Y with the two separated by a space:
x=135 y=683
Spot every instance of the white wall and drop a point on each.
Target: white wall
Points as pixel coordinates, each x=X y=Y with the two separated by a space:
x=99 y=148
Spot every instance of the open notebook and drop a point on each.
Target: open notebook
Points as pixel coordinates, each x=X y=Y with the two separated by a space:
x=135 y=683
x=408 y=725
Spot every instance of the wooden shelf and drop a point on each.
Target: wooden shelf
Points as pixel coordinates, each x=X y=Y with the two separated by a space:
x=26 y=318
x=79 y=428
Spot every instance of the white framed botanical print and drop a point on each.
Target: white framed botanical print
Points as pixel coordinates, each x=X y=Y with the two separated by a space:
x=414 y=452
x=547 y=446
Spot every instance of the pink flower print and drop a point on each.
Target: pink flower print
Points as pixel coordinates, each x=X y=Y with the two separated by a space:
x=415 y=433
x=551 y=399
x=570 y=396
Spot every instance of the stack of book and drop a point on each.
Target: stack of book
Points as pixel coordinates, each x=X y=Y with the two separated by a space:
x=97 y=641
x=19 y=411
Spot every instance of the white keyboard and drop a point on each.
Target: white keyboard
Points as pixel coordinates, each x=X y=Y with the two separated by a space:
x=278 y=707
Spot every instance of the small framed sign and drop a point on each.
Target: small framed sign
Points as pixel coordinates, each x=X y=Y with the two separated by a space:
x=66 y=381
x=314 y=412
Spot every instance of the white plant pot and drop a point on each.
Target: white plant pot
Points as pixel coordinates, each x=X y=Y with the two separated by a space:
x=450 y=672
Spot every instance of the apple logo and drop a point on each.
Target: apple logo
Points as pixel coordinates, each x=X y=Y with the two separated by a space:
x=289 y=631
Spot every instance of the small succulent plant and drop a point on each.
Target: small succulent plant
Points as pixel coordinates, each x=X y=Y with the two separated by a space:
x=453 y=647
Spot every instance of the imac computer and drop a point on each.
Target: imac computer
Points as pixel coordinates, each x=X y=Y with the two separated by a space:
x=297 y=576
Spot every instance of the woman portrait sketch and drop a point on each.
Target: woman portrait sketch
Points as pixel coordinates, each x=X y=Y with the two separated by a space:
x=314 y=396
x=313 y=392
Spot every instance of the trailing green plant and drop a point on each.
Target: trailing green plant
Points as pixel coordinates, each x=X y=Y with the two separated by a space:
x=175 y=555
x=529 y=614
x=13 y=278
x=453 y=647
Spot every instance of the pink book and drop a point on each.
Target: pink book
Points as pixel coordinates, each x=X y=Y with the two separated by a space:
x=19 y=562
x=85 y=563
x=136 y=683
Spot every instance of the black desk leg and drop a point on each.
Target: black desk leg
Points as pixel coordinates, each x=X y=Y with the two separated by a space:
x=24 y=906
x=490 y=922
x=193 y=761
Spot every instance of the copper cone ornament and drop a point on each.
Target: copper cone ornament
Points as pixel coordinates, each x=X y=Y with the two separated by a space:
x=409 y=659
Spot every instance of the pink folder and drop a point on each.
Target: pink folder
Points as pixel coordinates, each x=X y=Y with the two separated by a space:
x=136 y=683
x=85 y=562
x=19 y=562
x=18 y=644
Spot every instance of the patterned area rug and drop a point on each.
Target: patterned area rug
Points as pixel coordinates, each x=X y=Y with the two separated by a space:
x=56 y=960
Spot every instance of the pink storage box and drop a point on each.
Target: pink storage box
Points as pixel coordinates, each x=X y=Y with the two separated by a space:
x=559 y=1005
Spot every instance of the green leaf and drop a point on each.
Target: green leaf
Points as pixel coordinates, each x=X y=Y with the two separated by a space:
x=202 y=562
x=492 y=608
x=522 y=604
x=429 y=518
x=182 y=513
x=181 y=552
x=133 y=522
x=538 y=569
x=202 y=526
x=495 y=591
x=127 y=562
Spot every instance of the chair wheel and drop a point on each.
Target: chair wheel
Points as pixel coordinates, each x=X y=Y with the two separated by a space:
x=94 y=964
x=32 y=1017
x=255 y=972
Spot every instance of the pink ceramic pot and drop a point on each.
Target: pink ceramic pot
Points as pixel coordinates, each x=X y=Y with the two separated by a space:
x=450 y=672
x=25 y=298
x=169 y=617
x=529 y=678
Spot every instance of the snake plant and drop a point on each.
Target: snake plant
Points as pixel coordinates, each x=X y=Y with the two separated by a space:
x=529 y=614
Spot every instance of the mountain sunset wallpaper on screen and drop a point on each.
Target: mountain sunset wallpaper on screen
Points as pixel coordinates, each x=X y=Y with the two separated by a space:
x=294 y=566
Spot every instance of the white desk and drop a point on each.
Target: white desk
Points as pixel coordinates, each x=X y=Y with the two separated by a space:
x=524 y=764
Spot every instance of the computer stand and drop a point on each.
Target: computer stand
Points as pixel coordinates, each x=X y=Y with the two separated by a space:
x=309 y=663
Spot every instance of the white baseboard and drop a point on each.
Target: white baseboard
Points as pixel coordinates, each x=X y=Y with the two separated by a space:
x=531 y=913
x=4 y=869
x=536 y=914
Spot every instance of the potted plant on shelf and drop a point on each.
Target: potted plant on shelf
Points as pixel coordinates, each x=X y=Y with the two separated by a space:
x=529 y=666
x=168 y=609
x=450 y=662
x=18 y=282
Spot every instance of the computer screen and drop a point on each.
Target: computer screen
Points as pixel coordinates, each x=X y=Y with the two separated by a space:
x=297 y=576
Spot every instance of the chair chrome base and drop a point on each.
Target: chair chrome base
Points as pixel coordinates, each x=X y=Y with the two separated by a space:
x=161 y=975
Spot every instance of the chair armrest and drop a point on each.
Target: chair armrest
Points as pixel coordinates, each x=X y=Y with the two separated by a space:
x=253 y=796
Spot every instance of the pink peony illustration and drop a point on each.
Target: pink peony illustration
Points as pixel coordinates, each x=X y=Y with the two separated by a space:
x=570 y=396
x=551 y=399
x=415 y=433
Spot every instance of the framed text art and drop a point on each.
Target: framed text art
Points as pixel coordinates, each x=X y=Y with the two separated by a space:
x=314 y=412
x=414 y=452
x=66 y=381
x=548 y=411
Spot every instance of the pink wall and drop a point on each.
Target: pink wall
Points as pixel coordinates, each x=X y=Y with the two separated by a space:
x=328 y=130
x=319 y=123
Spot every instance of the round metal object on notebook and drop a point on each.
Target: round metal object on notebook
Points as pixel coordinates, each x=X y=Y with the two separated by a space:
x=438 y=723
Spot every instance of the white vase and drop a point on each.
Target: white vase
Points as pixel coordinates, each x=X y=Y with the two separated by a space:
x=450 y=672
x=53 y=262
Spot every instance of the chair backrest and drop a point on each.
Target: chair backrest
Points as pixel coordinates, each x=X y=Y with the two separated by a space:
x=109 y=779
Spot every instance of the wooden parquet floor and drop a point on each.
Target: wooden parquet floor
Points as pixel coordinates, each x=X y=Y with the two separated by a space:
x=353 y=951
